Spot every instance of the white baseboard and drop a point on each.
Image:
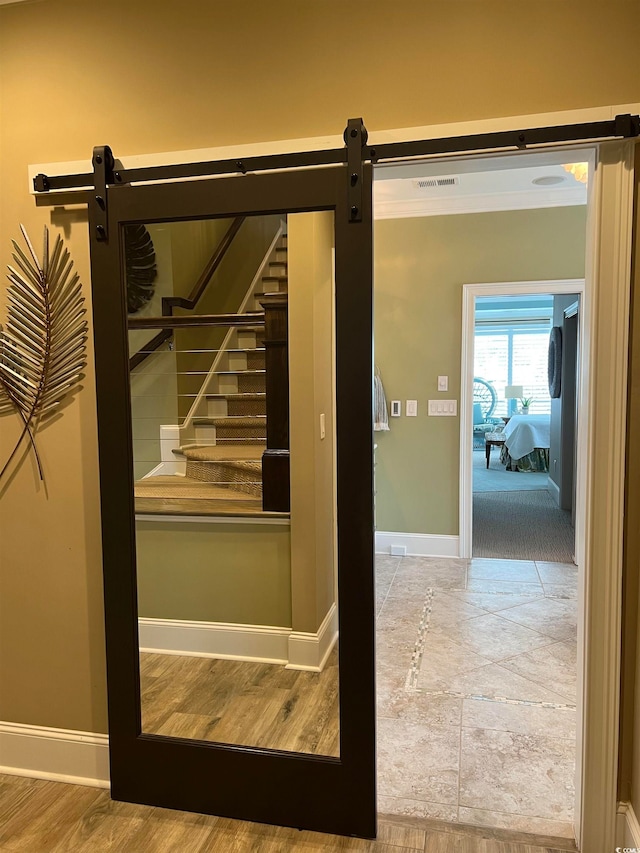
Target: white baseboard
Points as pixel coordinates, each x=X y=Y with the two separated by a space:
x=169 y=469
x=170 y=464
x=418 y=544
x=627 y=827
x=59 y=755
x=227 y=641
x=256 y=643
x=554 y=490
x=310 y=651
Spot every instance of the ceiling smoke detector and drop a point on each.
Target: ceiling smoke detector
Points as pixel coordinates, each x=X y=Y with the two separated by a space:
x=431 y=183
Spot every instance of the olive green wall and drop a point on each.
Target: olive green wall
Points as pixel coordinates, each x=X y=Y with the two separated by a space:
x=214 y=572
x=421 y=265
x=156 y=76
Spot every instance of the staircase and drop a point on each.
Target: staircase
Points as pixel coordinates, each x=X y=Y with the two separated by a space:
x=223 y=462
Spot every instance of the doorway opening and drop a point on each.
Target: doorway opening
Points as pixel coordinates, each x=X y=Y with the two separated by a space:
x=477 y=697
x=524 y=439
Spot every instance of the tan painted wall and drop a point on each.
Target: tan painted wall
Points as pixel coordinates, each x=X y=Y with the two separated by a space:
x=145 y=79
x=214 y=572
x=310 y=259
x=420 y=267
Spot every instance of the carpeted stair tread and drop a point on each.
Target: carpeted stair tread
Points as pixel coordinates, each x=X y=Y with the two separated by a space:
x=222 y=453
x=177 y=495
x=252 y=467
x=240 y=440
x=239 y=421
x=209 y=465
x=177 y=486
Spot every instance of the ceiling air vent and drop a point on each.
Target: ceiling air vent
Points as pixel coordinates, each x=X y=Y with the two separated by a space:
x=430 y=183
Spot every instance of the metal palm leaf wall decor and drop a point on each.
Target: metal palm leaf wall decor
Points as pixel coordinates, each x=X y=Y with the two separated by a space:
x=43 y=346
x=141 y=270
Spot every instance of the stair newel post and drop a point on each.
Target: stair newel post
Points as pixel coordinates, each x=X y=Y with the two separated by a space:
x=276 y=493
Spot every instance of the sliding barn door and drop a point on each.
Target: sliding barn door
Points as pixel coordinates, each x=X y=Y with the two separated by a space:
x=233 y=328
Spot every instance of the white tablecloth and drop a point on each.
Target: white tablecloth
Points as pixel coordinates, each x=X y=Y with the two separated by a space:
x=523 y=433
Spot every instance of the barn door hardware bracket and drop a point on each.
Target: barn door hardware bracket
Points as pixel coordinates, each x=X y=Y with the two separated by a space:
x=627 y=126
x=103 y=164
x=355 y=136
x=41 y=183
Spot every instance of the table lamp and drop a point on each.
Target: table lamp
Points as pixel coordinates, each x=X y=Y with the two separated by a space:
x=513 y=392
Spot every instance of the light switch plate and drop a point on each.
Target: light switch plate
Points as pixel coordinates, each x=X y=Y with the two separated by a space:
x=412 y=408
x=443 y=383
x=443 y=408
x=396 y=408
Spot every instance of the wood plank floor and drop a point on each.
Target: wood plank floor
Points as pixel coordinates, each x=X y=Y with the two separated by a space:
x=249 y=704
x=37 y=816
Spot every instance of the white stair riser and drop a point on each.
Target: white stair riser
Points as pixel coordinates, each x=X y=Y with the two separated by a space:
x=246 y=339
x=273 y=287
x=278 y=268
x=205 y=434
x=226 y=384
x=237 y=361
x=217 y=408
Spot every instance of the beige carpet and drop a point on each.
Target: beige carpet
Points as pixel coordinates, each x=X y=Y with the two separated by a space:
x=524 y=525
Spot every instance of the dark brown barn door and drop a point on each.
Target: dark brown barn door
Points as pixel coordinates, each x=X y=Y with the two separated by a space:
x=233 y=329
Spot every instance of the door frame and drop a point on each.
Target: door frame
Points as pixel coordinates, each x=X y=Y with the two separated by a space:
x=603 y=411
x=322 y=793
x=470 y=292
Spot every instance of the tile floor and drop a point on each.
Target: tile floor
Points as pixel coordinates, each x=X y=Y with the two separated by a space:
x=477 y=691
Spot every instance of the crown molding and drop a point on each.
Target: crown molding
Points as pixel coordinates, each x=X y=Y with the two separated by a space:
x=481 y=203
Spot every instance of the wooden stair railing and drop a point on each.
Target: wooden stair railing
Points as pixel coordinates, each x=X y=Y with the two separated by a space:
x=188 y=302
x=276 y=492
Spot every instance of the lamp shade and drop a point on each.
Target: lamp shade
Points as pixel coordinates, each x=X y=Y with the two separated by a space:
x=512 y=392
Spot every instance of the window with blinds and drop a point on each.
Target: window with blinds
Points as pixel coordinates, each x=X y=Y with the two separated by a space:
x=514 y=353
